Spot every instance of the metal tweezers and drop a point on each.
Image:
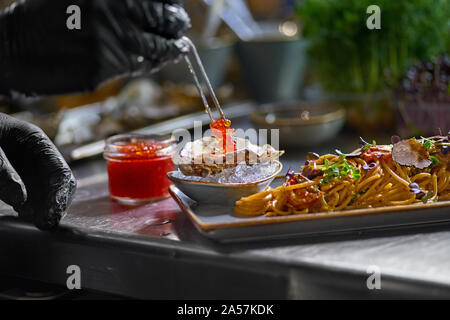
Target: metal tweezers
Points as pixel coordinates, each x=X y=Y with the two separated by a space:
x=193 y=50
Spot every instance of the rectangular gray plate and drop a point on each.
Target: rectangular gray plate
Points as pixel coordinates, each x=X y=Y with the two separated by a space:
x=221 y=224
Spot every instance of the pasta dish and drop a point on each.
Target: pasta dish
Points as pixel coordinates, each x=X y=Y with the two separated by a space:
x=406 y=172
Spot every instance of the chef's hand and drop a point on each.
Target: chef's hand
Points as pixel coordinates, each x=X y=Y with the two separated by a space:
x=34 y=178
x=40 y=55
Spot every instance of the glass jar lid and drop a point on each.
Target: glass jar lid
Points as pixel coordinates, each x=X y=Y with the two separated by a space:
x=139 y=146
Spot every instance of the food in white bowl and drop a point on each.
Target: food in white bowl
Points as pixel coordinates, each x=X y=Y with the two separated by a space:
x=205 y=157
x=241 y=173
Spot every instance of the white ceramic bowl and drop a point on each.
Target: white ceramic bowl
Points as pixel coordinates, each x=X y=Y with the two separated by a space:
x=221 y=193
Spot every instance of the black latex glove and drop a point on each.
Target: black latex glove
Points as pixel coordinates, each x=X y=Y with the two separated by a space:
x=39 y=55
x=34 y=178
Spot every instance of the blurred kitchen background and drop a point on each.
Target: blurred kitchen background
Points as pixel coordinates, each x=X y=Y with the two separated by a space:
x=309 y=67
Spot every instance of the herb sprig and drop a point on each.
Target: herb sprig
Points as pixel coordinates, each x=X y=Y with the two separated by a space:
x=427 y=197
x=365 y=145
x=337 y=170
x=427 y=143
x=434 y=161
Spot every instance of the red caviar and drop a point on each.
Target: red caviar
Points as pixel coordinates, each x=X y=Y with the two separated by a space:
x=222 y=131
x=137 y=168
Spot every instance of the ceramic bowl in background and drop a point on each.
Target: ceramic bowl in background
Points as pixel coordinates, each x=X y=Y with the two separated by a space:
x=300 y=124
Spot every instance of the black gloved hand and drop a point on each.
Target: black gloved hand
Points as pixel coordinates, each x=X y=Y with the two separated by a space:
x=39 y=55
x=34 y=178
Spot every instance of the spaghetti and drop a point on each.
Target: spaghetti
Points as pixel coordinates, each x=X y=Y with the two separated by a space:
x=367 y=178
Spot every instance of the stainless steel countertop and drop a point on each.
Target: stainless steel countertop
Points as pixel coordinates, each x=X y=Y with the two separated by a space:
x=414 y=262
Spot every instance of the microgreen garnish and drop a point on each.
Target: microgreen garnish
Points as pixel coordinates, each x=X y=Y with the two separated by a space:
x=356 y=174
x=362 y=142
x=441 y=142
x=427 y=197
x=366 y=145
x=340 y=154
x=337 y=170
x=434 y=161
x=427 y=143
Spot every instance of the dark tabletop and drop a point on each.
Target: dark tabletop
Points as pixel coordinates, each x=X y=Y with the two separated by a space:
x=153 y=251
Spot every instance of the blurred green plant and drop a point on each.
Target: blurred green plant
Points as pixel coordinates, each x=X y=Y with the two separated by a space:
x=351 y=58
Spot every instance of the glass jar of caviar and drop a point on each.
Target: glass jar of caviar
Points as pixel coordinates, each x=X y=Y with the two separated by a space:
x=138 y=166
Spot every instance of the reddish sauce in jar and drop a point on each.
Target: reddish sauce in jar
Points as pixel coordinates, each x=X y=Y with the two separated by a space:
x=138 y=167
